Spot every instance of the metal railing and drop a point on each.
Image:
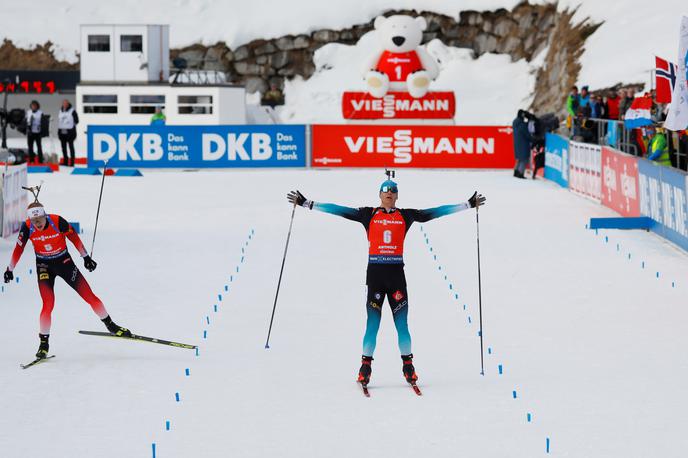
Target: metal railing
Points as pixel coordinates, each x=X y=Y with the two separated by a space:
x=625 y=139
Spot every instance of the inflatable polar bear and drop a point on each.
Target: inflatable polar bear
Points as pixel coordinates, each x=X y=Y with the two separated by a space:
x=401 y=64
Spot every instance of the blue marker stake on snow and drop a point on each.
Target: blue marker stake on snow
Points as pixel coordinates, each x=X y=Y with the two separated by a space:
x=673 y=285
x=489 y=350
x=196 y=351
x=226 y=288
x=617 y=247
x=499 y=368
x=431 y=249
x=445 y=278
x=242 y=249
x=30 y=271
x=456 y=296
x=464 y=306
x=219 y=297
x=642 y=264
x=187 y=372
x=205 y=334
x=207 y=319
x=597 y=231
x=528 y=417
x=629 y=255
x=606 y=239
x=513 y=393
x=17 y=279
x=242 y=259
x=469 y=320
x=547 y=445
x=176 y=397
x=231 y=277
x=3 y=289
x=237 y=269
x=215 y=307
x=479 y=333
x=167 y=425
x=434 y=256
x=657 y=274
x=451 y=286
x=153 y=444
x=440 y=267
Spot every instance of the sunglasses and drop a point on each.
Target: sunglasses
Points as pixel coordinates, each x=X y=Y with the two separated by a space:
x=392 y=189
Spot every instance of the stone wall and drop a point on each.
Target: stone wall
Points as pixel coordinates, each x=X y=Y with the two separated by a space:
x=522 y=32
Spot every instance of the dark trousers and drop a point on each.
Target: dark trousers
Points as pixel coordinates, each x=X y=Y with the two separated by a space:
x=67 y=142
x=31 y=138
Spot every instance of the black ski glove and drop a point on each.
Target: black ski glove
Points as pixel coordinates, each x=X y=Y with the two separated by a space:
x=296 y=198
x=9 y=276
x=476 y=200
x=90 y=264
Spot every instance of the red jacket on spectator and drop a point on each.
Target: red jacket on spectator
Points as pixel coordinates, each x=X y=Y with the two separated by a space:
x=613 y=107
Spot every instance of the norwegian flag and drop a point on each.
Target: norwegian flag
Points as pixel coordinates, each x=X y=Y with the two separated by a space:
x=665 y=79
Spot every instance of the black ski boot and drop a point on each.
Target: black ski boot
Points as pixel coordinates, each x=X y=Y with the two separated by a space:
x=42 y=352
x=114 y=328
x=408 y=369
x=365 y=370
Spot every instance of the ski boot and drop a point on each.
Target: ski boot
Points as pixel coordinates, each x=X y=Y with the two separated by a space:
x=365 y=370
x=114 y=328
x=42 y=352
x=408 y=369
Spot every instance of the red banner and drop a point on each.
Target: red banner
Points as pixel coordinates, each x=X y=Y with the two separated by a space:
x=620 y=182
x=398 y=105
x=490 y=147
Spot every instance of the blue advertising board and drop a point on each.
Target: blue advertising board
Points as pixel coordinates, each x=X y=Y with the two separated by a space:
x=197 y=146
x=557 y=159
x=663 y=198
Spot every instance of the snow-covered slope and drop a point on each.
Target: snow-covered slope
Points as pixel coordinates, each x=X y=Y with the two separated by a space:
x=590 y=341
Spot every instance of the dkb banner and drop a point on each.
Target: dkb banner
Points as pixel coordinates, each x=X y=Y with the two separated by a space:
x=557 y=159
x=663 y=198
x=197 y=146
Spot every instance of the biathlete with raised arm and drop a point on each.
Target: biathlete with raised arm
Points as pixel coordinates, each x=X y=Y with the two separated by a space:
x=386 y=227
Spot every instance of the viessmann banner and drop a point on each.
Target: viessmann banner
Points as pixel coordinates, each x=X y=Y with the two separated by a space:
x=197 y=146
x=412 y=146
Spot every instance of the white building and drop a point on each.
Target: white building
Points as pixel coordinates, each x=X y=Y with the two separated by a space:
x=125 y=75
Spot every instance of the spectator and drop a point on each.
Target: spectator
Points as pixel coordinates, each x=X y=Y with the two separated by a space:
x=67 y=119
x=33 y=130
x=522 y=141
x=626 y=102
x=658 y=150
x=572 y=102
x=602 y=107
x=595 y=107
x=158 y=118
x=584 y=98
x=587 y=131
x=612 y=105
x=273 y=97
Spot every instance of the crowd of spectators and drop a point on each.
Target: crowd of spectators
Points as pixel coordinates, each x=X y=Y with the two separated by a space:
x=588 y=120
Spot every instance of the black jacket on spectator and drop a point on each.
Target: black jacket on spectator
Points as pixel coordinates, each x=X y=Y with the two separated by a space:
x=522 y=139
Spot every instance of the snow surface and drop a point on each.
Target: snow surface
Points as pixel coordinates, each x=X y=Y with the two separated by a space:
x=592 y=343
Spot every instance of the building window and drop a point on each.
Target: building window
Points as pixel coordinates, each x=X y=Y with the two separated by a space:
x=99 y=103
x=131 y=43
x=195 y=104
x=146 y=104
x=99 y=43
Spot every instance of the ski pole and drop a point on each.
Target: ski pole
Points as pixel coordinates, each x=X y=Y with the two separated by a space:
x=480 y=296
x=279 y=282
x=100 y=198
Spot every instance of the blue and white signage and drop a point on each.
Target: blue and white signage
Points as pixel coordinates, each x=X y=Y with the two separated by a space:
x=197 y=146
x=663 y=198
x=557 y=159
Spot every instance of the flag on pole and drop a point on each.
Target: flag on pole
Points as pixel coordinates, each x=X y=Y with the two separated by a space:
x=639 y=114
x=665 y=79
x=677 y=118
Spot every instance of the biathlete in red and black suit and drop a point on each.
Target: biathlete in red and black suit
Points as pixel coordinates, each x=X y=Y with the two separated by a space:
x=386 y=227
x=49 y=234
